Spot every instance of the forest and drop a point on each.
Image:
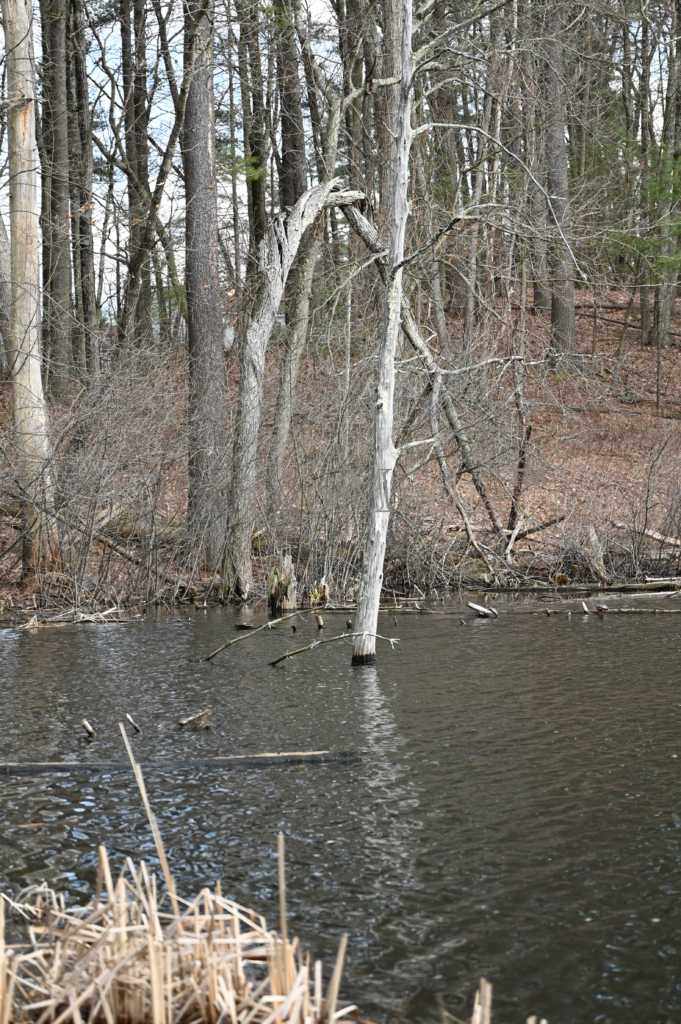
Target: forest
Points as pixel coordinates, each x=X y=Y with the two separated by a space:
x=331 y=300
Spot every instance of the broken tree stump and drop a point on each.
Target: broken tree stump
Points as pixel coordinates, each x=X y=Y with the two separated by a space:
x=197 y=721
x=283 y=586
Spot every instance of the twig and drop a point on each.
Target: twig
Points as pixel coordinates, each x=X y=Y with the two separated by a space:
x=330 y=640
x=268 y=625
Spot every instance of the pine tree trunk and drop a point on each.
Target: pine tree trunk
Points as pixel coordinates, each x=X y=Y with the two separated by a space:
x=206 y=413
x=384 y=453
x=30 y=416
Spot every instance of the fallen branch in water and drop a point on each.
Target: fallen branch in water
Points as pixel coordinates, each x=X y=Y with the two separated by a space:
x=197 y=721
x=330 y=640
x=267 y=625
x=483 y=611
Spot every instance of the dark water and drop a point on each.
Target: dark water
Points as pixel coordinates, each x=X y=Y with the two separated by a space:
x=517 y=813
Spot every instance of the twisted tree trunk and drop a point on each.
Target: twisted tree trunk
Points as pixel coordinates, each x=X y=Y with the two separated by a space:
x=275 y=258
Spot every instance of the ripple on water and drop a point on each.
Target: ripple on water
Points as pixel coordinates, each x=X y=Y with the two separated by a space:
x=516 y=813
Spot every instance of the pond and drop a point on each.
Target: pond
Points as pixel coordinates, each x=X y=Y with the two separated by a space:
x=516 y=812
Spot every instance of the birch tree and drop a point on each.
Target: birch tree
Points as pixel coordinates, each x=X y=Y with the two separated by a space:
x=384 y=453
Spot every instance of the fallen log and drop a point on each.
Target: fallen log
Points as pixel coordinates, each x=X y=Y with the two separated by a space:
x=207 y=763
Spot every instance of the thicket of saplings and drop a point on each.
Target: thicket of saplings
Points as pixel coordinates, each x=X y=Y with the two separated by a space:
x=119 y=532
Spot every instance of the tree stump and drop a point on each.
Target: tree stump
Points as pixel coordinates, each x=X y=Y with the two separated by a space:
x=283 y=586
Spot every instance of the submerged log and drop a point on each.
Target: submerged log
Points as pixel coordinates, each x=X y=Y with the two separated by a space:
x=207 y=763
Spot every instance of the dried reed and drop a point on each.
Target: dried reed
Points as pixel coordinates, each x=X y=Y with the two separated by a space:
x=134 y=956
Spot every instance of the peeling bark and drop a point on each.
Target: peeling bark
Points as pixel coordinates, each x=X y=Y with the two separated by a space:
x=384 y=452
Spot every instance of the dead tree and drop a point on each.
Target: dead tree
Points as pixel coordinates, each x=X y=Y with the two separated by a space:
x=384 y=452
x=275 y=257
x=369 y=235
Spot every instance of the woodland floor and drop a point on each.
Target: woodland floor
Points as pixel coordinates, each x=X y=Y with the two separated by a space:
x=601 y=455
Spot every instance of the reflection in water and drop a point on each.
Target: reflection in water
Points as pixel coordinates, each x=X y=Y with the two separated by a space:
x=516 y=813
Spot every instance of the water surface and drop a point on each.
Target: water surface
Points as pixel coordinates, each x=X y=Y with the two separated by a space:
x=516 y=813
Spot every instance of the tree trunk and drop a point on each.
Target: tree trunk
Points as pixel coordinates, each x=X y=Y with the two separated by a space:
x=134 y=76
x=478 y=184
x=384 y=453
x=563 y=333
x=5 y=302
x=252 y=104
x=276 y=255
x=293 y=174
x=141 y=127
x=85 y=175
x=392 y=36
x=665 y=293
x=30 y=416
x=206 y=413
x=59 y=297
x=296 y=337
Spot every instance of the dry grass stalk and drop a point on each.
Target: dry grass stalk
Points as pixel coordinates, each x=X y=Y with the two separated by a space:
x=128 y=956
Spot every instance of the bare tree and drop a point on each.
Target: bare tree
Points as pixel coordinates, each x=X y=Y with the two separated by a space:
x=384 y=453
x=277 y=252
x=563 y=287
x=206 y=413
x=59 y=313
